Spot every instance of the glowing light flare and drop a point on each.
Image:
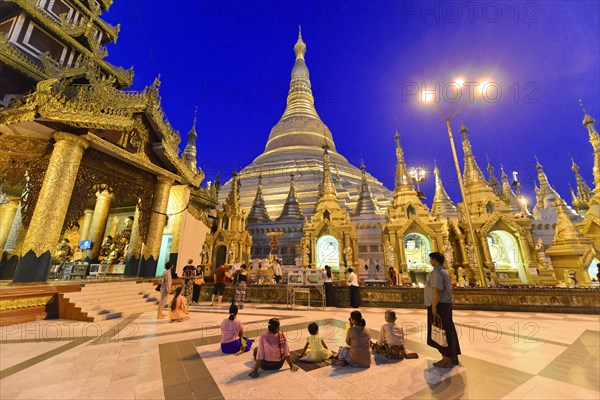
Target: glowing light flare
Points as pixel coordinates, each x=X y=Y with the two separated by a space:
x=427 y=96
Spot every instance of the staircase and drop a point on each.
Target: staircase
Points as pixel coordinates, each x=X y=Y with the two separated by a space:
x=102 y=301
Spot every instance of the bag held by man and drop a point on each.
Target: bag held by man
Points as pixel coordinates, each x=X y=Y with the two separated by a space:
x=438 y=334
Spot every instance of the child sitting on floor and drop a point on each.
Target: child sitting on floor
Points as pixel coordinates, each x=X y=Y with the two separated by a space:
x=318 y=351
x=391 y=339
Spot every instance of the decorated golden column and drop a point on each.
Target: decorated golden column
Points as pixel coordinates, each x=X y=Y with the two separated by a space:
x=86 y=224
x=12 y=247
x=134 y=248
x=158 y=220
x=7 y=214
x=51 y=208
x=99 y=220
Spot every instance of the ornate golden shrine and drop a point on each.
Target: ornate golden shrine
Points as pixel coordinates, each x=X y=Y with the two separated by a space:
x=76 y=135
x=328 y=218
x=229 y=238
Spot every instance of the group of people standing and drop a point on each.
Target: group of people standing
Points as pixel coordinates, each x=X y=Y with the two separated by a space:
x=238 y=276
x=186 y=294
x=352 y=281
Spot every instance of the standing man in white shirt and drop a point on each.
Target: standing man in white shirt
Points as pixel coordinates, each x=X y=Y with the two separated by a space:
x=277 y=271
x=354 y=293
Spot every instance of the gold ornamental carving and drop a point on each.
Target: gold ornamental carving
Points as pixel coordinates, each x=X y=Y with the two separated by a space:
x=13 y=304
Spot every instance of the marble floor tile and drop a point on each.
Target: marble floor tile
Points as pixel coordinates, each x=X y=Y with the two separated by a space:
x=137 y=368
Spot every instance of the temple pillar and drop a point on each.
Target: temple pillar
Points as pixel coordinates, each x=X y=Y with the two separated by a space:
x=7 y=214
x=313 y=256
x=524 y=256
x=12 y=247
x=134 y=247
x=51 y=207
x=178 y=199
x=99 y=221
x=158 y=219
x=463 y=251
x=86 y=224
x=487 y=256
x=400 y=256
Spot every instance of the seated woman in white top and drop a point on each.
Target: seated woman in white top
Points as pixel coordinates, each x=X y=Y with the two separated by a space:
x=391 y=339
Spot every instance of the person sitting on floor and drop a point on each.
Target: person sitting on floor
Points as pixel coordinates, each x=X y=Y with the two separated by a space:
x=272 y=350
x=318 y=351
x=358 y=353
x=391 y=339
x=178 y=311
x=232 y=330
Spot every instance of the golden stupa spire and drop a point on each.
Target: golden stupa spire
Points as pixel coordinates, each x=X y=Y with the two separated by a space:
x=565 y=231
x=366 y=203
x=472 y=173
x=546 y=194
x=300 y=101
x=403 y=180
x=233 y=197
x=327 y=189
x=584 y=193
x=300 y=46
x=589 y=123
x=189 y=153
x=492 y=178
x=258 y=213
x=291 y=208
x=442 y=204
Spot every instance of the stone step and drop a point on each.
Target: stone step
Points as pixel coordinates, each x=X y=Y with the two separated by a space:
x=97 y=298
x=116 y=304
x=104 y=301
x=108 y=293
x=124 y=310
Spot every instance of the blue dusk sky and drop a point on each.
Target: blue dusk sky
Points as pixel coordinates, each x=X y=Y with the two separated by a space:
x=366 y=58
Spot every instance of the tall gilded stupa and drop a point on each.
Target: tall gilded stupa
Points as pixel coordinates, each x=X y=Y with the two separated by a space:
x=295 y=146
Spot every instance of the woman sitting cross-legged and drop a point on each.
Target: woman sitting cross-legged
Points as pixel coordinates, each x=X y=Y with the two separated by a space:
x=178 y=311
x=232 y=330
x=272 y=350
x=358 y=354
x=391 y=339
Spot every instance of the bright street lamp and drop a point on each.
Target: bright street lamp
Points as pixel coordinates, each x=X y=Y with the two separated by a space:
x=427 y=97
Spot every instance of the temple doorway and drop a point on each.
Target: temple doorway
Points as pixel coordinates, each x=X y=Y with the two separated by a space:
x=328 y=252
x=417 y=248
x=165 y=251
x=505 y=253
x=219 y=257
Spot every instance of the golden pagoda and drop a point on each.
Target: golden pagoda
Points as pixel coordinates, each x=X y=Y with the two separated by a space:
x=294 y=146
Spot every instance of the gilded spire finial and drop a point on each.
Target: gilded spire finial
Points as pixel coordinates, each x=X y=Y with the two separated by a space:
x=397 y=135
x=300 y=46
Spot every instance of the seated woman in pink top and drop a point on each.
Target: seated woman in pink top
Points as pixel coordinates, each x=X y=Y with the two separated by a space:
x=272 y=350
x=232 y=329
x=178 y=311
